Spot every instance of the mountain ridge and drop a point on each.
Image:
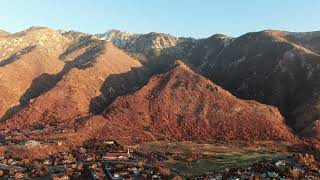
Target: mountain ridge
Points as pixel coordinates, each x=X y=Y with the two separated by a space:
x=273 y=67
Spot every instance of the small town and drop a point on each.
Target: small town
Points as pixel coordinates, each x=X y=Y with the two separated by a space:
x=95 y=160
x=107 y=159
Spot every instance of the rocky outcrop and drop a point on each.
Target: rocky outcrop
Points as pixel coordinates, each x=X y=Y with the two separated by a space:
x=118 y=38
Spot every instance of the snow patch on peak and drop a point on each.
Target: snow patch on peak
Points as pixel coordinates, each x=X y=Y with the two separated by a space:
x=119 y=38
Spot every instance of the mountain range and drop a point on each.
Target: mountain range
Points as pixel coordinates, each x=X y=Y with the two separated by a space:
x=146 y=87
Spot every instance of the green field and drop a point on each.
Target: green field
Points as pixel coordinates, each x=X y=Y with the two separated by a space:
x=215 y=157
x=217 y=163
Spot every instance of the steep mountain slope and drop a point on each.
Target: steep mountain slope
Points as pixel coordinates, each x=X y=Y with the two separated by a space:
x=202 y=49
x=267 y=67
x=183 y=105
x=156 y=50
x=159 y=50
x=274 y=67
x=25 y=56
x=310 y=40
x=96 y=76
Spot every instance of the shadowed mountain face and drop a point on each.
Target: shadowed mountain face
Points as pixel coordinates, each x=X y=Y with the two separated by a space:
x=267 y=67
x=273 y=67
x=46 y=82
x=25 y=56
x=79 y=90
x=57 y=76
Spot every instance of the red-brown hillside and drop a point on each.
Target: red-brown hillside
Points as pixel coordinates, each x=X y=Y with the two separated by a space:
x=183 y=105
x=85 y=88
x=24 y=56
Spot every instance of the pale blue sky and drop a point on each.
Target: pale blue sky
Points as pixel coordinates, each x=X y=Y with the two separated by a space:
x=194 y=18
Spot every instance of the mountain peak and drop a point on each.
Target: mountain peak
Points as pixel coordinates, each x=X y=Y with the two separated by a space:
x=37 y=28
x=186 y=106
x=179 y=64
x=115 y=34
x=220 y=36
x=275 y=33
x=36 y=31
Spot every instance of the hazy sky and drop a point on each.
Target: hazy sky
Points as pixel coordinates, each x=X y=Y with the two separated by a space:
x=195 y=18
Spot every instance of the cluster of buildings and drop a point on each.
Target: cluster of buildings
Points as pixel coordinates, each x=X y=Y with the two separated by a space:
x=293 y=167
x=97 y=159
x=93 y=160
